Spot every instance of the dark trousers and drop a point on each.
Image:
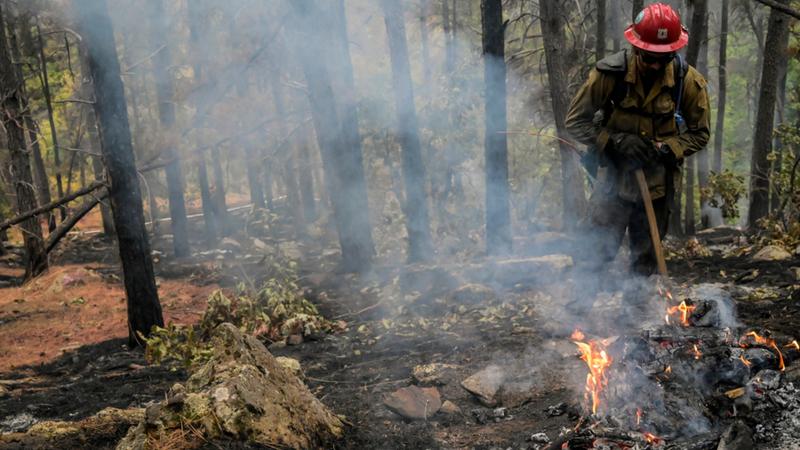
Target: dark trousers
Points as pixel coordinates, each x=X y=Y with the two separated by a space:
x=609 y=218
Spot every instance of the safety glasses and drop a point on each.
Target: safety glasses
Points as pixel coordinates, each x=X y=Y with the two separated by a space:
x=655 y=58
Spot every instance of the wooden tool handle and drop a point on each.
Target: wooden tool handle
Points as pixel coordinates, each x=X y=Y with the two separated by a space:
x=651 y=221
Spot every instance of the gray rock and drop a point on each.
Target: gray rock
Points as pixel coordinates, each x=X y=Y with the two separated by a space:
x=485 y=384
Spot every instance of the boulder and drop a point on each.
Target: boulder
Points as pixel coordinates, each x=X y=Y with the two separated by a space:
x=244 y=393
x=772 y=253
x=414 y=403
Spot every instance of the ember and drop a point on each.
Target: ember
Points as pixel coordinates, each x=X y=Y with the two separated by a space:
x=597 y=359
x=696 y=352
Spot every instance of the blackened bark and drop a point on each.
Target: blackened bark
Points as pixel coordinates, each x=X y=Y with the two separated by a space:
x=416 y=207
x=614 y=25
x=50 y=118
x=636 y=8
x=498 y=215
x=196 y=24
x=253 y=178
x=341 y=155
x=11 y=119
x=289 y=168
x=722 y=88
x=306 y=181
x=573 y=197
x=144 y=309
x=166 y=114
x=774 y=50
x=40 y=179
x=218 y=195
x=600 y=44
x=780 y=117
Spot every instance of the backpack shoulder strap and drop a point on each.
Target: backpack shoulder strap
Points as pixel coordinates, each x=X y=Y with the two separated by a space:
x=680 y=66
x=615 y=65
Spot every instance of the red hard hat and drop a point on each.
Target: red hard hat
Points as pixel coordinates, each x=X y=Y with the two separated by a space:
x=657 y=29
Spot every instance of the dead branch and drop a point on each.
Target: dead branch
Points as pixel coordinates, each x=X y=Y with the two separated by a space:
x=781 y=7
x=64 y=227
x=52 y=205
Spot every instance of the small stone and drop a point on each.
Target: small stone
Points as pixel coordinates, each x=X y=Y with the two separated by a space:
x=485 y=384
x=414 y=403
x=294 y=339
x=449 y=408
x=772 y=253
x=539 y=438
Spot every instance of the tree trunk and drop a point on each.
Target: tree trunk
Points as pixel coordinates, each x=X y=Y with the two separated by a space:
x=306 y=182
x=144 y=309
x=614 y=25
x=498 y=215
x=722 y=76
x=196 y=25
x=51 y=118
x=636 y=7
x=40 y=179
x=253 y=179
x=780 y=117
x=416 y=207
x=774 y=50
x=11 y=119
x=425 y=44
x=447 y=28
x=290 y=170
x=573 y=197
x=600 y=44
x=341 y=154
x=162 y=61
x=218 y=195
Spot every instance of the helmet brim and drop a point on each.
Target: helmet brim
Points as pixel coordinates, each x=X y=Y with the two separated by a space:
x=637 y=42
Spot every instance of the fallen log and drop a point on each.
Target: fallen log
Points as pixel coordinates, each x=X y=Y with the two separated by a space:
x=95 y=185
x=64 y=227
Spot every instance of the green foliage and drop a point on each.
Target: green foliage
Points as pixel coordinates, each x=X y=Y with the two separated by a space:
x=724 y=191
x=278 y=309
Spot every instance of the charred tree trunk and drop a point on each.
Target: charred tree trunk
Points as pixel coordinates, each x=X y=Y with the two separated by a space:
x=498 y=215
x=636 y=7
x=780 y=117
x=40 y=179
x=600 y=44
x=697 y=55
x=722 y=76
x=196 y=24
x=614 y=25
x=573 y=197
x=218 y=195
x=294 y=194
x=447 y=28
x=416 y=207
x=50 y=117
x=166 y=115
x=144 y=309
x=689 y=213
x=306 y=182
x=253 y=178
x=425 y=43
x=11 y=119
x=341 y=155
x=774 y=50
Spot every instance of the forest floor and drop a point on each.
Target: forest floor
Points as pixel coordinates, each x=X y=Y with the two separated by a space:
x=63 y=356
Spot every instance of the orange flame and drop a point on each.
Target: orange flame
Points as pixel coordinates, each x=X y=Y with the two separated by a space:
x=696 y=351
x=745 y=361
x=638 y=416
x=597 y=359
x=668 y=369
x=651 y=438
x=684 y=310
x=793 y=345
x=770 y=343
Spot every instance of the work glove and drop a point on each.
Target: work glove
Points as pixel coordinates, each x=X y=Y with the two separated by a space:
x=630 y=151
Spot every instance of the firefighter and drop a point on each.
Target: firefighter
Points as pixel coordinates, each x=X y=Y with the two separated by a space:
x=643 y=107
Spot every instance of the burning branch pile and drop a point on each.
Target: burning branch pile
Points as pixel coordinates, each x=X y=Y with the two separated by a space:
x=681 y=384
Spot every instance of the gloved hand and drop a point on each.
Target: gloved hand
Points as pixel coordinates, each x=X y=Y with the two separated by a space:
x=630 y=151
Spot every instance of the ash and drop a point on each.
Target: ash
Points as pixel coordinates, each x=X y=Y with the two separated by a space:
x=778 y=424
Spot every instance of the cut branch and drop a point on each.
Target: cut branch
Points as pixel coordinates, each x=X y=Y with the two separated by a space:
x=64 y=227
x=52 y=205
x=781 y=7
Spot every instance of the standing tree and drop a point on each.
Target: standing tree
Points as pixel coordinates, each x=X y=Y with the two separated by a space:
x=162 y=61
x=144 y=309
x=636 y=7
x=11 y=119
x=774 y=50
x=498 y=215
x=722 y=76
x=338 y=142
x=416 y=202
x=698 y=29
x=573 y=197
x=600 y=44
